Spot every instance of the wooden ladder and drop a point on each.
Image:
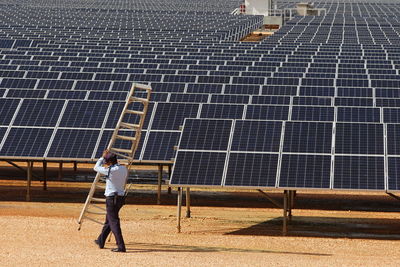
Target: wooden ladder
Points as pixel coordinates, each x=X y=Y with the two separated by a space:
x=124 y=142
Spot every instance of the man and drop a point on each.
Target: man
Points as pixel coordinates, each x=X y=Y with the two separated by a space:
x=116 y=176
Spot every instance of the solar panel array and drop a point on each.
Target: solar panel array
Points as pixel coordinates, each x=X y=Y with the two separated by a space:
x=66 y=67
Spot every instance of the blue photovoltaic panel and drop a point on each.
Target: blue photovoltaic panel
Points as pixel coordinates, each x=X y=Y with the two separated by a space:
x=305 y=171
x=221 y=111
x=160 y=146
x=260 y=136
x=206 y=134
x=60 y=94
x=85 y=114
x=92 y=85
x=358 y=138
x=233 y=99
x=354 y=114
x=393 y=139
x=35 y=112
x=7 y=110
x=55 y=84
x=188 y=98
x=307 y=113
x=353 y=172
x=18 y=83
x=393 y=173
x=206 y=168
x=253 y=170
x=169 y=116
x=267 y=112
x=391 y=115
x=26 y=142
x=308 y=137
x=71 y=143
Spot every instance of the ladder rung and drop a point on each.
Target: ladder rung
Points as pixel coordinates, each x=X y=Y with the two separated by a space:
x=100 y=186
x=138 y=99
x=121 y=150
x=97 y=207
x=99 y=199
x=142 y=87
x=125 y=137
x=129 y=125
x=97 y=213
x=136 y=112
x=129 y=158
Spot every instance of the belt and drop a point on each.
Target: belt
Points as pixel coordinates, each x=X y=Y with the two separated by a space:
x=112 y=197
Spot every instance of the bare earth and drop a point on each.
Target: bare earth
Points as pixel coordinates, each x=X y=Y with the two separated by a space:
x=226 y=229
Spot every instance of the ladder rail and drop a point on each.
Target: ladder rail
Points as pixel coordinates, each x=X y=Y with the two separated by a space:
x=134 y=145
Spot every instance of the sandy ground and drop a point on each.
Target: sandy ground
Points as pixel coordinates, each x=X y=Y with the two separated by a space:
x=226 y=229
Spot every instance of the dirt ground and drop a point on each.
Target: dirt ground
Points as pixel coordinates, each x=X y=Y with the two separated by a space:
x=226 y=229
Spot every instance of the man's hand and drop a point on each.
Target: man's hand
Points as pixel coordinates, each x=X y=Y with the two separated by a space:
x=105 y=152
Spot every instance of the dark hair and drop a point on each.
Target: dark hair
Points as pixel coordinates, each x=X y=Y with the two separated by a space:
x=111 y=159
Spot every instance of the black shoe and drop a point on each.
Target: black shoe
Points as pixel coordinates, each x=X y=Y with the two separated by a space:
x=118 y=250
x=97 y=242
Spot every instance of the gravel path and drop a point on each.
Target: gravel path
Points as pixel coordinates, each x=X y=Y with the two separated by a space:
x=45 y=234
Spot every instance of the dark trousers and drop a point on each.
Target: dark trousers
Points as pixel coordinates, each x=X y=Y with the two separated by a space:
x=113 y=205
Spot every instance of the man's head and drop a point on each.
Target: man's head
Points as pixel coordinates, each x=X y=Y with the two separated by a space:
x=110 y=159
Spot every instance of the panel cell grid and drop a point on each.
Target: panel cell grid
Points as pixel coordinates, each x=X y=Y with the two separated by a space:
x=261 y=136
x=308 y=137
x=206 y=135
x=206 y=168
x=71 y=143
x=361 y=172
x=305 y=171
x=252 y=170
x=358 y=138
x=26 y=142
x=35 y=112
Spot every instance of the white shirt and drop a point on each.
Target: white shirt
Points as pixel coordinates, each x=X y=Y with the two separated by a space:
x=117 y=175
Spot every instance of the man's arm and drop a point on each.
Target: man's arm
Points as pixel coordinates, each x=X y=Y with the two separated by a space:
x=99 y=168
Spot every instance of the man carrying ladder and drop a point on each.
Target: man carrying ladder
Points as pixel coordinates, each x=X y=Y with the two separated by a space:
x=116 y=176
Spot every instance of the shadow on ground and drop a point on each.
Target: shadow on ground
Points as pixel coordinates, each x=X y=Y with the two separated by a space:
x=304 y=226
x=155 y=247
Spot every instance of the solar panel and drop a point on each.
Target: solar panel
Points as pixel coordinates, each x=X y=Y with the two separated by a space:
x=206 y=168
x=35 y=112
x=308 y=137
x=7 y=109
x=85 y=114
x=357 y=138
x=206 y=135
x=393 y=174
x=72 y=143
x=252 y=170
x=26 y=142
x=160 y=146
x=260 y=136
x=359 y=172
x=222 y=111
x=305 y=171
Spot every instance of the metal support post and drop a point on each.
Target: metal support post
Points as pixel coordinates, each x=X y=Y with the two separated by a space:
x=179 y=208
x=44 y=175
x=169 y=177
x=160 y=174
x=75 y=167
x=29 y=179
x=290 y=204
x=188 y=202
x=60 y=171
x=285 y=208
